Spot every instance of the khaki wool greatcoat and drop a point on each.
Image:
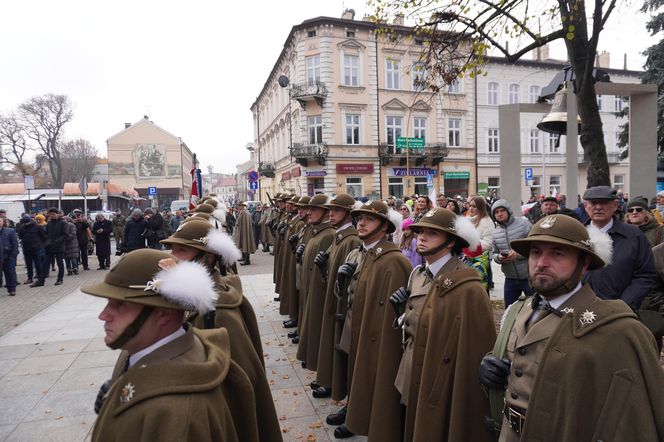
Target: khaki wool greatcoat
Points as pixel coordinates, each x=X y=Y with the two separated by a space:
x=286 y=281
x=244 y=233
x=344 y=241
x=375 y=352
x=449 y=330
x=593 y=374
x=312 y=294
x=278 y=240
x=188 y=389
x=266 y=233
x=296 y=300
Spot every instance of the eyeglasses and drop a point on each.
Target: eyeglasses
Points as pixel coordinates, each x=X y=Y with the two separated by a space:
x=635 y=210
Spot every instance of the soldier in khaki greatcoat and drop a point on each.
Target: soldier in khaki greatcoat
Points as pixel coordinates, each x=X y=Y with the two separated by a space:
x=374 y=345
x=119 y=223
x=167 y=367
x=289 y=304
x=577 y=368
x=345 y=240
x=445 y=316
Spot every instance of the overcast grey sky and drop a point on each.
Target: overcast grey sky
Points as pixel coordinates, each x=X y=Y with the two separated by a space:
x=194 y=67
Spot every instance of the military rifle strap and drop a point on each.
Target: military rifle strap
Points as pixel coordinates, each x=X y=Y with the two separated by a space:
x=497 y=395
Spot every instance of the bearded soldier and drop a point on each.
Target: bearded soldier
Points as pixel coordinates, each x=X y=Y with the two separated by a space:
x=244 y=236
x=329 y=261
x=375 y=346
x=171 y=382
x=577 y=368
x=446 y=317
x=198 y=241
x=312 y=287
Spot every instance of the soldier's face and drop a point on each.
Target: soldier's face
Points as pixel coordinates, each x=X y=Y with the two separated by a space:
x=337 y=216
x=366 y=224
x=316 y=215
x=183 y=253
x=551 y=265
x=302 y=212
x=117 y=315
x=429 y=239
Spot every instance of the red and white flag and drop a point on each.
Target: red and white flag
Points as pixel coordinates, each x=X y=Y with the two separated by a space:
x=194 y=190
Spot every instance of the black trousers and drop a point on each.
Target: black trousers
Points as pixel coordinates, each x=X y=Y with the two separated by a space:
x=83 y=251
x=59 y=259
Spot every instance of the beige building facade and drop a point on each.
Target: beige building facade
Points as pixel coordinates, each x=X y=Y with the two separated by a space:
x=144 y=155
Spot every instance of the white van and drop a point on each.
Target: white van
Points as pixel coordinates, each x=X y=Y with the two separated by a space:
x=179 y=204
x=14 y=209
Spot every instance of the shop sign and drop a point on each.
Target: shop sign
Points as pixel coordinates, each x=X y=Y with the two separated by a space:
x=457 y=175
x=296 y=171
x=414 y=171
x=316 y=173
x=285 y=176
x=355 y=168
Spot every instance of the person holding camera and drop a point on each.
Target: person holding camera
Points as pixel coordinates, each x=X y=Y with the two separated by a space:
x=513 y=265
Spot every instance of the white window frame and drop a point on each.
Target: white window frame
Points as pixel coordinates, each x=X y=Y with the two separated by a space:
x=618 y=103
x=534 y=93
x=393 y=124
x=352 y=129
x=313 y=69
x=315 y=129
x=354 y=182
x=454 y=87
x=493 y=140
x=534 y=141
x=392 y=74
x=496 y=185
x=418 y=72
x=552 y=138
x=420 y=127
x=619 y=182
x=421 y=183
x=454 y=132
x=536 y=185
x=513 y=93
x=395 y=181
x=553 y=184
x=493 y=93
x=351 y=70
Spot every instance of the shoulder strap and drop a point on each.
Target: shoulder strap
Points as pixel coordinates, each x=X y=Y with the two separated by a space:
x=496 y=395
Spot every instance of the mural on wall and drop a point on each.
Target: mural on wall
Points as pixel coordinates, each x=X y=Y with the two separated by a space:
x=144 y=161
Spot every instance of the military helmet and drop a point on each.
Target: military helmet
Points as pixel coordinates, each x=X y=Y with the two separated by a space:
x=294 y=200
x=445 y=220
x=381 y=210
x=201 y=235
x=303 y=201
x=140 y=279
x=319 y=200
x=210 y=201
x=343 y=201
x=565 y=230
x=204 y=208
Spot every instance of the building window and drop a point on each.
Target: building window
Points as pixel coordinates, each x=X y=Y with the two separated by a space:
x=393 y=126
x=513 y=94
x=618 y=103
x=354 y=186
x=419 y=74
x=392 y=74
x=421 y=185
x=350 y=34
x=619 y=182
x=492 y=139
x=536 y=186
x=534 y=141
x=419 y=127
x=493 y=185
x=454 y=132
x=311 y=33
x=313 y=69
x=492 y=93
x=599 y=102
x=554 y=184
x=352 y=129
x=395 y=187
x=351 y=70
x=454 y=87
x=554 y=145
x=533 y=94
x=315 y=129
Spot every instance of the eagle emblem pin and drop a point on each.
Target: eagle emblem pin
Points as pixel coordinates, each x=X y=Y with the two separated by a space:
x=548 y=222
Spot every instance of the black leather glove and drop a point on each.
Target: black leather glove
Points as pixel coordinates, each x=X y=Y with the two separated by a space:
x=101 y=396
x=299 y=253
x=292 y=240
x=494 y=372
x=346 y=269
x=281 y=228
x=398 y=298
x=321 y=260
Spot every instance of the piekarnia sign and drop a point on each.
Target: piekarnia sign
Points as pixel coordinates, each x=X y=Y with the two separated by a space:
x=414 y=171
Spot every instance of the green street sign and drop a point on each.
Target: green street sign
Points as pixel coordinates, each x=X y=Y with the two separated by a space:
x=456 y=175
x=410 y=143
x=482 y=188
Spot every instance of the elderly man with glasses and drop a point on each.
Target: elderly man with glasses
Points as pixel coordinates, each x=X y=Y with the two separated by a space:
x=632 y=272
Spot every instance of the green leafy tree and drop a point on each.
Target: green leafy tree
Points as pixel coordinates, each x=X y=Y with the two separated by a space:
x=475 y=27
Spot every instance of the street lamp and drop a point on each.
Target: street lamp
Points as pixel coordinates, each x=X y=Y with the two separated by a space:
x=285 y=82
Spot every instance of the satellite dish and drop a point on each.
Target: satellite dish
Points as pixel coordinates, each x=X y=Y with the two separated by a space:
x=283 y=81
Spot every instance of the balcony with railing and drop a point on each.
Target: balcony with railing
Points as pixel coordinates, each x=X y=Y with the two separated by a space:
x=309 y=91
x=435 y=152
x=305 y=152
x=266 y=169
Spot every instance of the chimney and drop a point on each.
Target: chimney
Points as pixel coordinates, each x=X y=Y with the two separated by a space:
x=349 y=14
x=603 y=60
x=625 y=61
x=127 y=125
x=398 y=20
x=541 y=53
x=145 y=117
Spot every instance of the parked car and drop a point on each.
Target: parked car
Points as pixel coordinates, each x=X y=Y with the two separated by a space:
x=107 y=214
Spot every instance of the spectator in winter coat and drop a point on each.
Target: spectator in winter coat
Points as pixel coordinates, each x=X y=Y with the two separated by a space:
x=513 y=265
x=408 y=243
x=56 y=230
x=83 y=236
x=33 y=240
x=72 y=249
x=135 y=232
x=102 y=229
x=9 y=243
x=155 y=229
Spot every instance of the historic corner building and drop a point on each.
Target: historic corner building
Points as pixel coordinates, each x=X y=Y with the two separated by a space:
x=341 y=102
x=144 y=155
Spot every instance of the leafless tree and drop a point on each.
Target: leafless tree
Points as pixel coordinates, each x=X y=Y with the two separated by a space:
x=78 y=159
x=13 y=146
x=44 y=118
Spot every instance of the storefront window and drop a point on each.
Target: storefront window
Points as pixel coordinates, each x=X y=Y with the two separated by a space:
x=354 y=186
x=395 y=187
x=421 y=185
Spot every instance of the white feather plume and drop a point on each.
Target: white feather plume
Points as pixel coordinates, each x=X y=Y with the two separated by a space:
x=189 y=285
x=466 y=230
x=396 y=219
x=357 y=205
x=221 y=244
x=601 y=243
x=219 y=214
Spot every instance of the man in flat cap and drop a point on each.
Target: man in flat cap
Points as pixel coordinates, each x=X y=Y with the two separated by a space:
x=171 y=382
x=631 y=273
x=577 y=368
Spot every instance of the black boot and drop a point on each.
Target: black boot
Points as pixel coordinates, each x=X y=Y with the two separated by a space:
x=337 y=418
x=342 y=432
x=37 y=283
x=245 y=259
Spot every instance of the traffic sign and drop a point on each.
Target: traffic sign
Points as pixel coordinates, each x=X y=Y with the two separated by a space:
x=253 y=175
x=253 y=185
x=528 y=173
x=410 y=142
x=430 y=182
x=152 y=190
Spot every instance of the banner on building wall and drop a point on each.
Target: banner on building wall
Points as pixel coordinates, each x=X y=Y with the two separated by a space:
x=413 y=171
x=355 y=168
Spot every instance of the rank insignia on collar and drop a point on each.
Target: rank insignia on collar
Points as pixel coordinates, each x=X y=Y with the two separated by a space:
x=339 y=236
x=567 y=310
x=587 y=318
x=447 y=283
x=379 y=250
x=127 y=393
x=548 y=222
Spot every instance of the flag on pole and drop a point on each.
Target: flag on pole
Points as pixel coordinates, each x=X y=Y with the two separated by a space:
x=432 y=197
x=195 y=173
